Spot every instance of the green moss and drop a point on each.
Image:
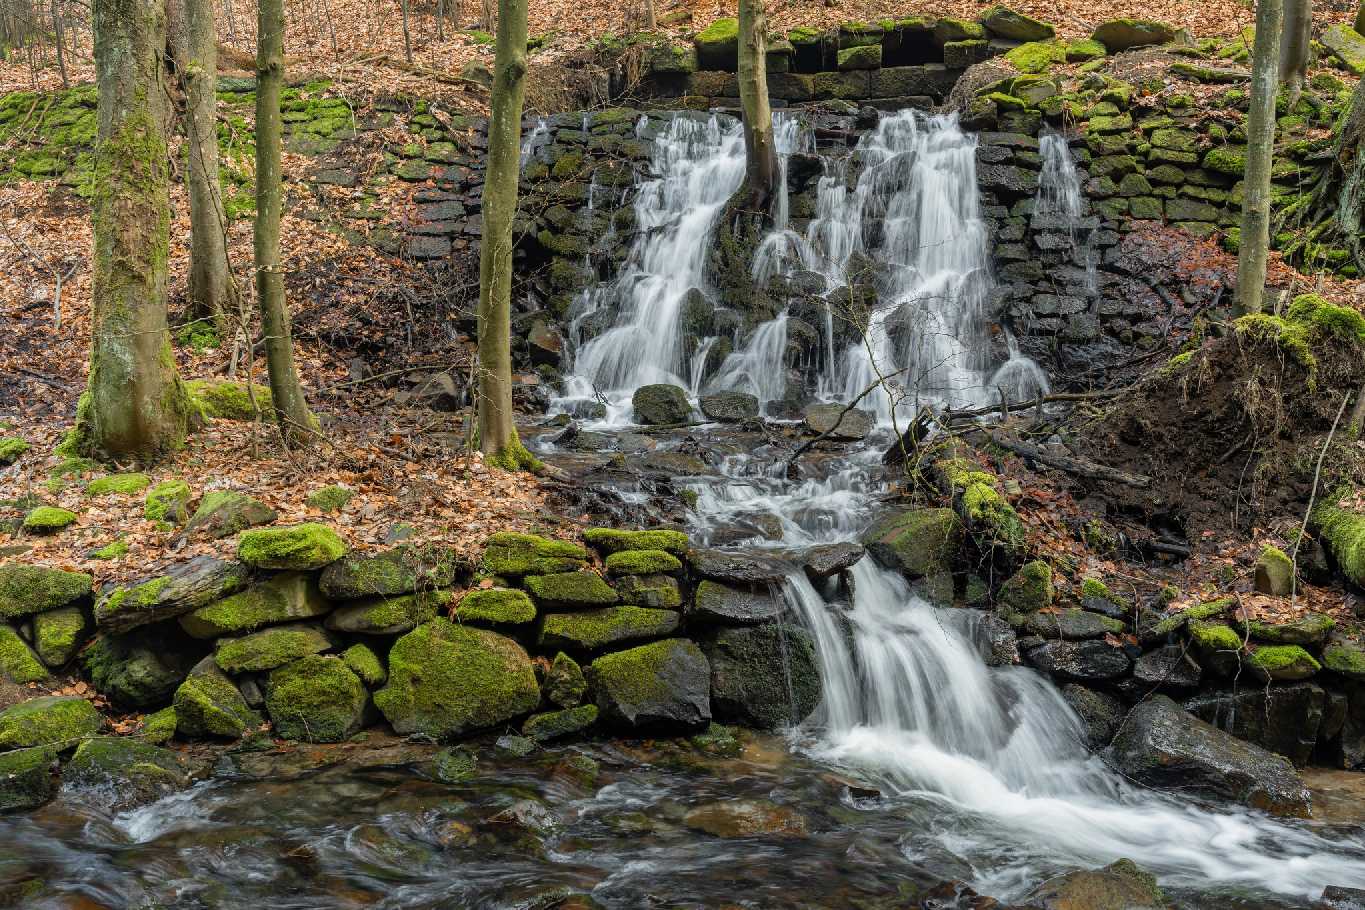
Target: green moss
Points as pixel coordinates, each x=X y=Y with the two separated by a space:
x=304 y=546
x=638 y=675
x=141 y=596
x=168 y=501
x=1084 y=50
x=800 y=36
x=1292 y=338
x=1343 y=323
x=389 y=615
x=315 y=699
x=208 y=704
x=1283 y=662
x=595 y=629
x=496 y=606
x=48 y=720
x=18 y=663
x=269 y=648
x=642 y=562
x=159 y=726
x=26 y=783
x=1093 y=587
x=722 y=31
x=515 y=457
x=282 y=597
x=611 y=540
x=115 y=549
x=571 y=589
x=48 y=520
x=120 y=484
x=365 y=664
x=28 y=589
x=557 y=724
x=1029 y=589
x=199 y=335
x=57 y=634
x=478 y=36
x=565 y=685
x=993 y=522
x=1225 y=159
x=230 y=400
x=1344 y=533
x=1214 y=636
x=330 y=499
x=515 y=555
x=11 y=447
x=1036 y=56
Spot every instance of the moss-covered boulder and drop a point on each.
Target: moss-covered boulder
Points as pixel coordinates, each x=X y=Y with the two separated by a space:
x=58 y=634
x=48 y=520
x=664 y=684
x=27 y=778
x=365 y=664
x=208 y=704
x=447 y=680
x=661 y=405
x=496 y=607
x=861 y=57
x=661 y=591
x=949 y=29
x=1342 y=529
x=280 y=598
x=1226 y=159
x=917 y=542
x=169 y=501
x=1281 y=662
x=994 y=525
x=598 y=629
x=159 y=726
x=571 y=590
x=1274 y=572
x=765 y=676
x=331 y=498
x=184 y=587
x=643 y=562
x=230 y=400
x=611 y=540
x=1218 y=645
x=718 y=45
x=1003 y=22
x=126 y=770
x=1122 y=884
x=18 y=663
x=224 y=513
x=304 y=546
x=558 y=724
x=1029 y=589
x=141 y=668
x=402 y=570
x=565 y=684
x=1124 y=34
x=316 y=699
x=271 y=648
x=1072 y=624
x=388 y=615
x=118 y=485
x=1036 y=56
x=28 y=589
x=1310 y=630
x=514 y=555
x=1347 y=46
x=48 y=720
x=11 y=447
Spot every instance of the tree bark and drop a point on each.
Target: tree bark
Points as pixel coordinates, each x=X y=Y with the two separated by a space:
x=486 y=16
x=135 y=405
x=651 y=20
x=1255 y=239
x=59 y=37
x=760 y=172
x=194 y=40
x=1360 y=19
x=407 y=35
x=291 y=410
x=1295 y=42
x=497 y=433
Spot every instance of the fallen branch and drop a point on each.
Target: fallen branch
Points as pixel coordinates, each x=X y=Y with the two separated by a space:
x=801 y=449
x=1005 y=406
x=1078 y=467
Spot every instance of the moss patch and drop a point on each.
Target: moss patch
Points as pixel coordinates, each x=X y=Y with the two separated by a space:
x=315 y=699
x=28 y=589
x=222 y=513
x=565 y=684
x=115 y=549
x=1214 y=636
x=168 y=501
x=568 y=590
x=230 y=400
x=118 y=484
x=48 y=520
x=11 y=447
x=49 y=720
x=158 y=727
x=26 y=782
x=1036 y=56
x=611 y=540
x=330 y=499
x=496 y=606
x=558 y=724
x=289 y=595
x=643 y=562
x=1029 y=589
x=57 y=634
x=18 y=663
x=919 y=542
x=597 y=629
x=1283 y=662
x=365 y=664
x=304 y=546
x=517 y=555
x=207 y=704
x=270 y=648
x=1344 y=533
x=389 y=615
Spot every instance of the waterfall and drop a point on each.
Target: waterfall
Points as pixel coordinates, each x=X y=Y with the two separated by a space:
x=1059 y=196
x=539 y=135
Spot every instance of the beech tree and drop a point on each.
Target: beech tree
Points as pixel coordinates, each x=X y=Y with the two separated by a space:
x=760 y=173
x=135 y=404
x=1295 y=45
x=497 y=432
x=291 y=410
x=1255 y=239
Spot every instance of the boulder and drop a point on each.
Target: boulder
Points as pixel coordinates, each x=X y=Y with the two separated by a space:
x=514 y=555
x=729 y=407
x=142 y=668
x=718 y=45
x=49 y=720
x=661 y=405
x=1308 y=630
x=303 y=546
x=316 y=699
x=59 y=634
x=388 y=615
x=1162 y=745
x=1100 y=713
x=1169 y=667
x=18 y=662
x=402 y=570
x=650 y=591
x=642 y=562
x=612 y=540
x=1123 y=34
x=1282 y=719
x=125 y=771
x=496 y=607
x=366 y=664
x=565 y=684
x=558 y=724
x=1029 y=589
x=917 y=542
x=224 y=513
x=1274 y=572
x=766 y=677
x=25 y=589
x=1120 y=886
x=26 y=778
x=184 y=587
x=1281 y=662
x=828 y=560
x=280 y=598
x=1335 y=898
x=595 y=630
x=1347 y=46
x=208 y=704
x=571 y=590
x=739 y=567
x=715 y=602
x=837 y=423
x=1080 y=661
x=1014 y=26
x=271 y=648
x=1345 y=656
x=662 y=684
x=1072 y=624
x=447 y=680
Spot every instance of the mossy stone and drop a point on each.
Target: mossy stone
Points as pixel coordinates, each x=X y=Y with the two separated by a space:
x=403 y=570
x=159 y=726
x=451 y=766
x=1010 y=24
x=515 y=555
x=230 y=400
x=447 y=680
x=207 y=704
x=1084 y=50
x=141 y=668
x=365 y=664
x=58 y=634
x=917 y=542
x=766 y=676
x=558 y=724
x=1282 y=662
x=223 y=513
x=718 y=45
x=650 y=591
x=132 y=770
x=565 y=684
x=316 y=699
x=48 y=520
x=1226 y=159
x=1029 y=589
x=1036 y=56
x=1347 y=46
x=388 y=615
x=598 y=629
x=1343 y=531
x=862 y=57
x=28 y=589
x=496 y=606
x=611 y=540
x=1308 y=629
x=950 y=29
x=11 y=447
x=662 y=684
x=280 y=598
x=331 y=498
x=642 y=562
x=571 y=590
x=18 y=663
x=1123 y=34
x=115 y=549
x=118 y=484
x=26 y=778
x=48 y=720
x=303 y=546
x=185 y=587
x=270 y=648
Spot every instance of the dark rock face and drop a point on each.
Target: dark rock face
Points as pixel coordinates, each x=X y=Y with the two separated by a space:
x=1168 y=667
x=664 y=684
x=141 y=669
x=1001 y=644
x=1080 y=661
x=828 y=560
x=1283 y=719
x=733 y=604
x=1162 y=745
x=729 y=407
x=661 y=404
x=764 y=676
x=738 y=567
x=1099 y=712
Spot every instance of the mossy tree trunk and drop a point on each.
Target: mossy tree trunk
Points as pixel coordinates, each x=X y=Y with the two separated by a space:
x=497 y=432
x=1331 y=214
x=1255 y=239
x=1295 y=45
x=135 y=405
x=291 y=410
x=760 y=174
x=194 y=41
x=1360 y=18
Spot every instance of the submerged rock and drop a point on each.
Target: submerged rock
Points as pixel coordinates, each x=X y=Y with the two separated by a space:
x=715 y=602
x=1119 y=886
x=662 y=684
x=729 y=407
x=765 y=676
x=1162 y=745
x=747 y=818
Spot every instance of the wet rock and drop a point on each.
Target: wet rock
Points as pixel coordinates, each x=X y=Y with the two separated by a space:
x=140 y=668
x=1029 y=589
x=1335 y=898
x=316 y=699
x=828 y=560
x=1072 y=623
x=1162 y=745
x=1080 y=661
x=661 y=405
x=48 y=720
x=402 y=570
x=545 y=344
x=133 y=771
x=207 y=704
x=747 y=818
x=738 y=567
x=26 y=778
x=1120 y=886
x=558 y=724
x=729 y=407
x=447 y=680
x=594 y=630
x=766 y=677
x=662 y=684
x=1099 y=712
x=672 y=464
x=841 y=425
x=917 y=542
x=1001 y=644
x=734 y=604
x=1168 y=667
x=1282 y=719
x=184 y=587
x=564 y=684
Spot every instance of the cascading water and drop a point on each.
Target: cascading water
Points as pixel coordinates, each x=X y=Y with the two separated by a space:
x=1059 y=196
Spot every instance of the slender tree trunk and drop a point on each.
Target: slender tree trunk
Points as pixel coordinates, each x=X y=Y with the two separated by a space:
x=486 y=15
x=407 y=35
x=291 y=410
x=760 y=173
x=651 y=20
x=195 y=44
x=497 y=432
x=136 y=404
x=1295 y=44
x=1360 y=18
x=1255 y=240
x=58 y=34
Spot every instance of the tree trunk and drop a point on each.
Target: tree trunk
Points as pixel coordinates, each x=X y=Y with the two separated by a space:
x=486 y=15
x=651 y=20
x=1346 y=178
x=1360 y=19
x=1295 y=42
x=194 y=40
x=291 y=410
x=135 y=405
x=497 y=432
x=59 y=36
x=760 y=173
x=407 y=35
x=1255 y=239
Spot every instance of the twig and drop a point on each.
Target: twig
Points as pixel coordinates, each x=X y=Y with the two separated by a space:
x=838 y=420
x=1004 y=406
x=1077 y=466
x=1312 y=497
